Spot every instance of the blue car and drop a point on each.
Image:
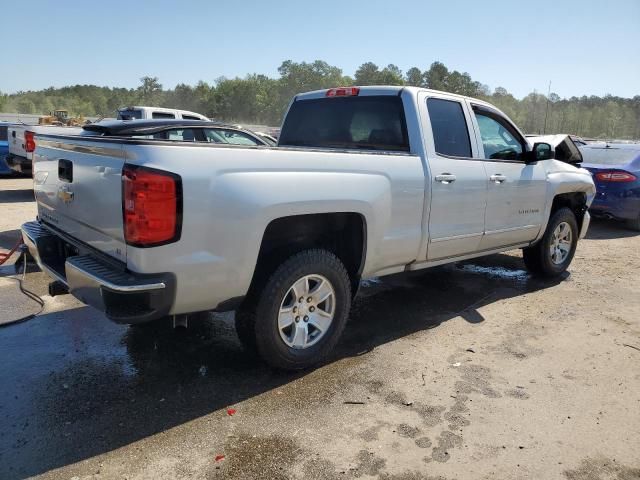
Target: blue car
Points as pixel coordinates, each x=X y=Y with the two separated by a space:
x=4 y=149
x=616 y=172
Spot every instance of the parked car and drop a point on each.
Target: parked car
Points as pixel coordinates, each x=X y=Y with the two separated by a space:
x=4 y=148
x=578 y=141
x=22 y=144
x=269 y=139
x=147 y=113
x=616 y=171
x=564 y=147
x=365 y=182
x=176 y=130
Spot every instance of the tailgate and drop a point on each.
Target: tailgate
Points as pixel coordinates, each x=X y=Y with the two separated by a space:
x=78 y=187
x=15 y=136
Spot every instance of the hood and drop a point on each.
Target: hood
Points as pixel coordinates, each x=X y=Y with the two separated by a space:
x=565 y=150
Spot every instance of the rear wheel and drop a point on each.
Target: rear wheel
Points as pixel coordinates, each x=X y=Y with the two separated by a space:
x=552 y=255
x=300 y=313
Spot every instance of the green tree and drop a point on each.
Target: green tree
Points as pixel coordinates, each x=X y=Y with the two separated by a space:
x=436 y=76
x=260 y=99
x=415 y=77
x=367 y=74
x=150 y=91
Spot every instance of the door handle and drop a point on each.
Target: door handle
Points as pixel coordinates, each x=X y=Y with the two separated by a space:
x=497 y=178
x=445 y=178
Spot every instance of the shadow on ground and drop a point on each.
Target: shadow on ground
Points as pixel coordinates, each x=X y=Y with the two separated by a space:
x=9 y=238
x=17 y=196
x=75 y=385
x=603 y=229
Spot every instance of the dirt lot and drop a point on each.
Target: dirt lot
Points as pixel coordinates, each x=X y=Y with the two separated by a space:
x=470 y=371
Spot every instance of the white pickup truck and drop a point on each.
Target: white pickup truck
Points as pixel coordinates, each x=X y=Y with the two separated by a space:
x=146 y=113
x=365 y=182
x=20 y=138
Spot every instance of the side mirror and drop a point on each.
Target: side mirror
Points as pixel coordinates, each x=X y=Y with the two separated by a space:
x=540 y=151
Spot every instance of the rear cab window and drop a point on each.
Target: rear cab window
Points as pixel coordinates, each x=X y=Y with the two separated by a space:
x=375 y=122
x=3 y=133
x=449 y=127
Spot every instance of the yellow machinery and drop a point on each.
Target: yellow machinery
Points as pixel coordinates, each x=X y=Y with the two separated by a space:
x=60 y=117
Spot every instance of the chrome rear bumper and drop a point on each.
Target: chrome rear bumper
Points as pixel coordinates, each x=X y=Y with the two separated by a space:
x=124 y=296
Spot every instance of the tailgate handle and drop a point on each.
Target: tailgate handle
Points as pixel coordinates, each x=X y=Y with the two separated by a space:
x=65 y=170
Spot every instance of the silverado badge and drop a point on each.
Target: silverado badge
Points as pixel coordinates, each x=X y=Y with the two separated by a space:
x=65 y=194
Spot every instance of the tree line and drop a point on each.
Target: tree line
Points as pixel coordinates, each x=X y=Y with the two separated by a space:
x=259 y=99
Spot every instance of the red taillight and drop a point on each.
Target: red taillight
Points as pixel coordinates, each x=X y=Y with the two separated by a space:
x=29 y=142
x=151 y=205
x=615 y=176
x=343 y=92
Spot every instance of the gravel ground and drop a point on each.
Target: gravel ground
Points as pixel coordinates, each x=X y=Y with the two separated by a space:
x=469 y=371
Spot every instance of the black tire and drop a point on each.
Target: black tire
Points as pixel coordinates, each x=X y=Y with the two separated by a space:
x=537 y=258
x=260 y=330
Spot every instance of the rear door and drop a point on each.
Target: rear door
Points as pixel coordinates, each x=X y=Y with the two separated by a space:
x=458 y=180
x=517 y=192
x=78 y=188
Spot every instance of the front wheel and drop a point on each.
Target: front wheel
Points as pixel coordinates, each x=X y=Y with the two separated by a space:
x=552 y=255
x=301 y=311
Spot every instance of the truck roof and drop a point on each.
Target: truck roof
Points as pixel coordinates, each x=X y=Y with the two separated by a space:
x=385 y=90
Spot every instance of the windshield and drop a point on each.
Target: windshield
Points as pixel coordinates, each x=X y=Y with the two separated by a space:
x=370 y=123
x=609 y=155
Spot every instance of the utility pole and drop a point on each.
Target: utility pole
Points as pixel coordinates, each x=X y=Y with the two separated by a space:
x=544 y=130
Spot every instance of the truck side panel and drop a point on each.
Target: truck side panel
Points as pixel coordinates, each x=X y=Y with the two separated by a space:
x=231 y=194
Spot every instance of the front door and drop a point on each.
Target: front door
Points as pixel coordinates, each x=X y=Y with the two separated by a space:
x=458 y=181
x=516 y=192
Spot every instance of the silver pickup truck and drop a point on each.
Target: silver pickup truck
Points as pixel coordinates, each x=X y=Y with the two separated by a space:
x=364 y=182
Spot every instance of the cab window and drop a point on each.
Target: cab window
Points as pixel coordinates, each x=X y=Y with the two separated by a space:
x=449 y=127
x=162 y=115
x=499 y=140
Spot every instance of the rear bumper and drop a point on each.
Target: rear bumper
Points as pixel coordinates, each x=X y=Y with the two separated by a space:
x=123 y=296
x=620 y=204
x=18 y=164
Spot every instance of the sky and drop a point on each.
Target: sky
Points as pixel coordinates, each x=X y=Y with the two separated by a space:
x=583 y=47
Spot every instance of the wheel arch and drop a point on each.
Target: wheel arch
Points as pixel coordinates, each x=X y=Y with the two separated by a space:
x=577 y=201
x=342 y=233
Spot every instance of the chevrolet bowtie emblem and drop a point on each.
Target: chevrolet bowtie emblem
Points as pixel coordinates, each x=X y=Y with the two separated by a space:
x=65 y=195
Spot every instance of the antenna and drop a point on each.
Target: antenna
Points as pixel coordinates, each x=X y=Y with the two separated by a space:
x=544 y=130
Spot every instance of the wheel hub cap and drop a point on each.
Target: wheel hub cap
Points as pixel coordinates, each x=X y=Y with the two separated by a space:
x=306 y=311
x=560 y=243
